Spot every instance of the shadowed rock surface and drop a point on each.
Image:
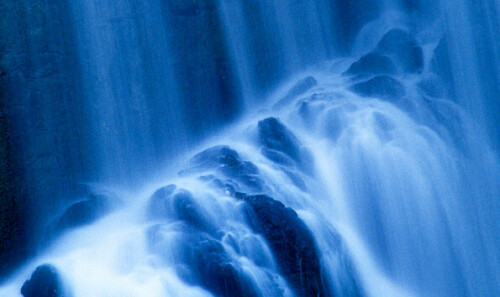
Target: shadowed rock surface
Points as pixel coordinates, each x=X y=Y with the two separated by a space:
x=372 y=63
x=291 y=242
x=382 y=86
x=398 y=44
x=217 y=271
x=227 y=162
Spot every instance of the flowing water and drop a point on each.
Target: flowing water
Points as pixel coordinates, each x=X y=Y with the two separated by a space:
x=375 y=122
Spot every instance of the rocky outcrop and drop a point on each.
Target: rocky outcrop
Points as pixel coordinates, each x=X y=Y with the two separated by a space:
x=290 y=240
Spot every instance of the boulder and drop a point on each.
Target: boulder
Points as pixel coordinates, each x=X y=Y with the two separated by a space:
x=291 y=242
x=217 y=271
x=83 y=213
x=403 y=48
x=187 y=209
x=382 y=86
x=274 y=136
x=372 y=63
x=158 y=203
x=44 y=282
x=227 y=162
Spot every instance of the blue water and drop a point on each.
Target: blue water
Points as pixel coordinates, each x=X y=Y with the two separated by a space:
x=376 y=122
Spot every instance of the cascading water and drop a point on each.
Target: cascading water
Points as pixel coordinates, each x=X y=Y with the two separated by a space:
x=372 y=170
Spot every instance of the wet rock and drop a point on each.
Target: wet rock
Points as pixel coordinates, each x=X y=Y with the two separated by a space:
x=300 y=88
x=187 y=209
x=291 y=242
x=159 y=201
x=44 y=282
x=399 y=45
x=217 y=271
x=227 y=162
x=276 y=137
x=83 y=213
x=382 y=86
x=179 y=204
x=277 y=157
x=372 y=63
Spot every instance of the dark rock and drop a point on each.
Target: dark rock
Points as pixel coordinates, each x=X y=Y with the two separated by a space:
x=372 y=63
x=44 y=282
x=275 y=136
x=300 y=88
x=291 y=242
x=167 y=202
x=217 y=271
x=399 y=45
x=202 y=260
x=187 y=209
x=382 y=86
x=227 y=162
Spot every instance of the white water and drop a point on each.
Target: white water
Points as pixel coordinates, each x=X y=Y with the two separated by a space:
x=415 y=212
x=408 y=188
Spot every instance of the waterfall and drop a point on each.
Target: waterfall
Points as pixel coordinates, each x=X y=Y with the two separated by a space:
x=277 y=148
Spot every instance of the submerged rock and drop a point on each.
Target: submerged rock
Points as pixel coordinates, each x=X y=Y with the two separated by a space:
x=398 y=44
x=300 y=88
x=382 y=86
x=372 y=63
x=44 y=282
x=291 y=242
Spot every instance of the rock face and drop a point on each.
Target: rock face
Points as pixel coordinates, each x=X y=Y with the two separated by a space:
x=44 y=282
x=399 y=45
x=382 y=86
x=291 y=242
